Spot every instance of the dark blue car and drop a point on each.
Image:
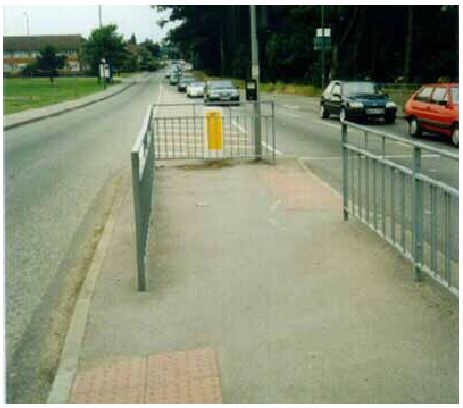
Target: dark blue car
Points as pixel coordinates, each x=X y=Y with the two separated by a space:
x=357 y=100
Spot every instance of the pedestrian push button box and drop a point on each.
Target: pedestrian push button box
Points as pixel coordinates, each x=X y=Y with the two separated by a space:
x=251 y=90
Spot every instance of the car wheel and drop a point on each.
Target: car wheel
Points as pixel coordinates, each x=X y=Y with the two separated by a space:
x=414 y=128
x=342 y=114
x=324 y=114
x=390 y=119
x=455 y=135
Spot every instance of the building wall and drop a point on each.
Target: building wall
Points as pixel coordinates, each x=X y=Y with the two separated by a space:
x=14 y=61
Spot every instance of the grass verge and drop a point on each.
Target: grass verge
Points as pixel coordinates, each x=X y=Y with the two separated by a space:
x=272 y=87
x=20 y=94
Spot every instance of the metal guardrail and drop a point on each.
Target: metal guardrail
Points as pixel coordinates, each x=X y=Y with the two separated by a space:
x=180 y=132
x=414 y=212
x=142 y=158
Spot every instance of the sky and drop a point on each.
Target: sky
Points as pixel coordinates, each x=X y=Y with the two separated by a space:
x=79 y=19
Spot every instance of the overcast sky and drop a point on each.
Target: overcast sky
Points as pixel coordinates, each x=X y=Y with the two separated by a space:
x=75 y=19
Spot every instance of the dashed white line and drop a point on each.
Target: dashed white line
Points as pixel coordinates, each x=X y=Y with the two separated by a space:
x=290 y=106
x=267 y=146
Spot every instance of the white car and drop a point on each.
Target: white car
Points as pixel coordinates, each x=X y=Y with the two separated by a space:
x=195 y=89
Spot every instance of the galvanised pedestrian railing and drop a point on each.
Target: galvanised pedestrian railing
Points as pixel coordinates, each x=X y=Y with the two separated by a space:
x=142 y=158
x=182 y=131
x=400 y=199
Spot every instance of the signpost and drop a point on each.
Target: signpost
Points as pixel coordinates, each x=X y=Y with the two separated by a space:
x=104 y=71
x=322 y=41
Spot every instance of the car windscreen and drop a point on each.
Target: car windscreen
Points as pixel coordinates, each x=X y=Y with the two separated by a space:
x=361 y=88
x=455 y=95
x=220 y=85
x=196 y=84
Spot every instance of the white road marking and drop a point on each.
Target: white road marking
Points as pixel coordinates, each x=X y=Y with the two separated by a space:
x=275 y=205
x=155 y=111
x=267 y=146
x=290 y=106
x=239 y=127
x=388 y=156
x=275 y=224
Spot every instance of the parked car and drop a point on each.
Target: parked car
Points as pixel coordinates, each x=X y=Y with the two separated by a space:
x=173 y=79
x=221 y=91
x=434 y=108
x=195 y=89
x=357 y=100
x=183 y=82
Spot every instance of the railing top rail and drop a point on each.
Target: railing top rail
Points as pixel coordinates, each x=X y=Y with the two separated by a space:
x=141 y=134
x=400 y=139
x=233 y=116
x=216 y=103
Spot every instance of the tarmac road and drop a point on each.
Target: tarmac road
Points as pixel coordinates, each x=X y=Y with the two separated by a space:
x=61 y=177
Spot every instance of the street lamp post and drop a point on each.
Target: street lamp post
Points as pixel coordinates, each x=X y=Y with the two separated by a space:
x=25 y=13
x=100 y=21
x=323 y=48
x=256 y=77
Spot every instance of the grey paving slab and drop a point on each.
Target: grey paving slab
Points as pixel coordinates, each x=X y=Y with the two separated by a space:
x=255 y=261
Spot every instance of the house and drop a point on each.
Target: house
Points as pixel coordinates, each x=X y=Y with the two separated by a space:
x=19 y=51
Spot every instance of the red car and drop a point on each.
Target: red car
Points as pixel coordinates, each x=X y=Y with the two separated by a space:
x=434 y=108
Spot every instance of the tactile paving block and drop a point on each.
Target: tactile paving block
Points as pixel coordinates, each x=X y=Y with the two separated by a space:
x=190 y=376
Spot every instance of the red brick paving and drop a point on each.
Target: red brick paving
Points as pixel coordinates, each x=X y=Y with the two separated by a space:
x=179 y=377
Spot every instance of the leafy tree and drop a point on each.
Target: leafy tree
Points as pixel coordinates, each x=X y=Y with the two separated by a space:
x=133 y=39
x=105 y=43
x=153 y=48
x=382 y=42
x=49 y=62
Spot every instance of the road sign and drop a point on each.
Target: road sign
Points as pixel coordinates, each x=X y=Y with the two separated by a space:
x=326 y=31
x=317 y=43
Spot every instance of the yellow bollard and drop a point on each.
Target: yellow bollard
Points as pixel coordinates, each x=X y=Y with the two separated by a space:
x=214 y=130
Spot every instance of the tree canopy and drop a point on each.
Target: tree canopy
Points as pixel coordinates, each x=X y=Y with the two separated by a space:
x=105 y=43
x=418 y=43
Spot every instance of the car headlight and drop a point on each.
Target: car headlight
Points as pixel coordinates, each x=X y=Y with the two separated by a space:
x=355 y=105
x=214 y=95
x=391 y=104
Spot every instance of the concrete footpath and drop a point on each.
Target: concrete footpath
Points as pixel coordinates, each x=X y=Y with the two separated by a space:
x=33 y=115
x=259 y=292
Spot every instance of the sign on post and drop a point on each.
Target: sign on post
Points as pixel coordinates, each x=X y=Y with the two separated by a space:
x=317 y=43
x=213 y=132
x=326 y=32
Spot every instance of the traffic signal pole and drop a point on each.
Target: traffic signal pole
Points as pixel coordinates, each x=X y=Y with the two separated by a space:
x=256 y=77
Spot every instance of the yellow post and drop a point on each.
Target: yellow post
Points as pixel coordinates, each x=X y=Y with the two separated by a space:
x=214 y=130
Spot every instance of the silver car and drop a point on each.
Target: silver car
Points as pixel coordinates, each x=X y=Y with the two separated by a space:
x=221 y=92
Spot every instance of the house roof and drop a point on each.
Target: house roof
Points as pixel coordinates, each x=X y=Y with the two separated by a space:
x=37 y=42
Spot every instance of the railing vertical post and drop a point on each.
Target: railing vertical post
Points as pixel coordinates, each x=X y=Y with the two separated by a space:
x=383 y=187
x=417 y=214
x=273 y=132
x=138 y=221
x=345 y=168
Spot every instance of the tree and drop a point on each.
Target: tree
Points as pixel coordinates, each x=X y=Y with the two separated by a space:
x=133 y=39
x=49 y=62
x=105 y=43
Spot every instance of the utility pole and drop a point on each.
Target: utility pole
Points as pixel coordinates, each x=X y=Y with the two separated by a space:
x=99 y=17
x=28 y=38
x=256 y=77
x=323 y=48
x=100 y=21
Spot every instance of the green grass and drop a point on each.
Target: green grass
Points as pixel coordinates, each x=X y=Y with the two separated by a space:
x=274 y=87
x=20 y=94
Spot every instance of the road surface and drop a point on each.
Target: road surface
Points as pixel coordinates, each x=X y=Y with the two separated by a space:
x=61 y=177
